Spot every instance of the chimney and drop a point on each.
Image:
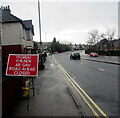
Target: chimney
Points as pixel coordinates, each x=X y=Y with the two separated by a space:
x=6 y=8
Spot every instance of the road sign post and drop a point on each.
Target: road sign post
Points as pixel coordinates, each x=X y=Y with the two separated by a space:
x=23 y=65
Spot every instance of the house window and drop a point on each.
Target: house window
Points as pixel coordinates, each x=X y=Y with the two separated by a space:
x=23 y=34
x=28 y=51
x=105 y=46
x=112 y=45
x=28 y=35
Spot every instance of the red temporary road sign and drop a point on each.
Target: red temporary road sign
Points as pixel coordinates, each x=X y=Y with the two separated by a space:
x=22 y=65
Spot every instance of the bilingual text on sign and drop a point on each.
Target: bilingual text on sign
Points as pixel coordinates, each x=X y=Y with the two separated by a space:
x=22 y=65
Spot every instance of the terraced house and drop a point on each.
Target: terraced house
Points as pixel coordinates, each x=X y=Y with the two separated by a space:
x=17 y=38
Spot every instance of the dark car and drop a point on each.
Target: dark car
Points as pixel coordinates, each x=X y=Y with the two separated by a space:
x=75 y=55
x=44 y=54
x=41 y=61
x=93 y=54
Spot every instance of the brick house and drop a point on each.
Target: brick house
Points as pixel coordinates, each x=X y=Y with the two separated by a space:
x=106 y=45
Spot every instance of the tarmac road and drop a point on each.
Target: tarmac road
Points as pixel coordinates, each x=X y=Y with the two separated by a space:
x=99 y=80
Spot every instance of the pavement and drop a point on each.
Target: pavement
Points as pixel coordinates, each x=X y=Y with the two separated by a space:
x=52 y=97
x=103 y=61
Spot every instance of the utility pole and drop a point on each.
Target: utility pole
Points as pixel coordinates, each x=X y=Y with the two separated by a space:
x=41 y=63
x=39 y=26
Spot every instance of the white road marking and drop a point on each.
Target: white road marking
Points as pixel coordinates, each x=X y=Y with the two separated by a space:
x=52 y=64
x=114 y=57
x=101 y=69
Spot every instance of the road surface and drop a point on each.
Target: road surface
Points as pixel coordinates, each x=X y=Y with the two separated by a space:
x=99 y=80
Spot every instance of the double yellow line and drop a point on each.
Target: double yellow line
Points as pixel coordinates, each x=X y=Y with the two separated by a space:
x=82 y=93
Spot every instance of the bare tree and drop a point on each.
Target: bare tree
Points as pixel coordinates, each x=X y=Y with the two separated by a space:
x=109 y=34
x=90 y=41
x=93 y=37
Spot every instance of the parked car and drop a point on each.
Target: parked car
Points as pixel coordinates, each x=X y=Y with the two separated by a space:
x=93 y=54
x=41 y=62
x=75 y=55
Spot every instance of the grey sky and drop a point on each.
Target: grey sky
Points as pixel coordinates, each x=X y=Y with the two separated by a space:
x=68 y=21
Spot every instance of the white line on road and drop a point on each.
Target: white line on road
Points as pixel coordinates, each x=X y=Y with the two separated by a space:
x=52 y=64
x=101 y=69
x=115 y=57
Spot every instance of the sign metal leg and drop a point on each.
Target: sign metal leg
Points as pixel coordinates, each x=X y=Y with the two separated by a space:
x=27 y=102
x=33 y=87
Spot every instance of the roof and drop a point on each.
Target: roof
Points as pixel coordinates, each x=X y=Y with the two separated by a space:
x=115 y=42
x=102 y=42
x=105 y=41
x=8 y=17
x=28 y=25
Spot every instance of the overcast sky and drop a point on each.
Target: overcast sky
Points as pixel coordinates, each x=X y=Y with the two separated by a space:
x=67 y=20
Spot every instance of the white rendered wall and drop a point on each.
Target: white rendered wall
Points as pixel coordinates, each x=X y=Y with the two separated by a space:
x=12 y=34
